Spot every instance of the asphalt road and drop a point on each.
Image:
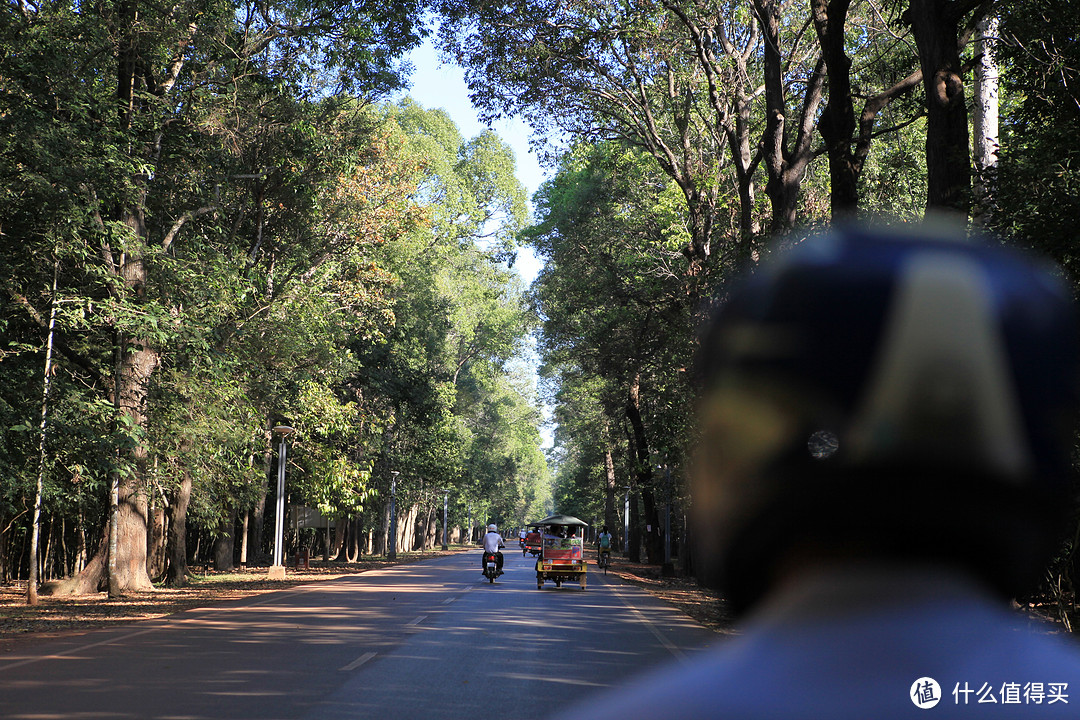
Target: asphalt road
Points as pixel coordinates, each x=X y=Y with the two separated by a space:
x=431 y=640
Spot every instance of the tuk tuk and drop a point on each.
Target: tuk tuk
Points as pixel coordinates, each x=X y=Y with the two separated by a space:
x=561 y=558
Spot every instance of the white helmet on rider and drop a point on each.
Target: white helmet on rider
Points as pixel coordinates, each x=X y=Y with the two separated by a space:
x=492 y=528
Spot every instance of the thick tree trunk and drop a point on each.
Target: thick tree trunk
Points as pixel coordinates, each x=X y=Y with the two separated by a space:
x=837 y=121
x=355 y=541
x=948 y=169
x=643 y=469
x=406 y=536
x=341 y=533
x=224 y=544
x=90 y=580
x=177 y=574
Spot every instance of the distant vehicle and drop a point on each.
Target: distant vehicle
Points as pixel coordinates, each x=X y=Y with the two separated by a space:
x=521 y=539
x=561 y=558
x=533 y=543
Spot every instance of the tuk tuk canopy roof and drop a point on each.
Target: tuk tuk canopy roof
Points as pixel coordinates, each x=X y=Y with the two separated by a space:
x=561 y=520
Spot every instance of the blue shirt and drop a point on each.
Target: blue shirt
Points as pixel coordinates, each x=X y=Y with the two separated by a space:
x=860 y=644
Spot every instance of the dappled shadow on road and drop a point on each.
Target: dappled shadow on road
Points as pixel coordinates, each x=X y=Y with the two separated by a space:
x=56 y=616
x=519 y=652
x=425 y=640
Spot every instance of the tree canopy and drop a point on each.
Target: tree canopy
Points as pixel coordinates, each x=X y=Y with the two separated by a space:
x=218 y=218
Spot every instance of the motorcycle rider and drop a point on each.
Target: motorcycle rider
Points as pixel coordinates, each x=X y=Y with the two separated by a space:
x=492 y=542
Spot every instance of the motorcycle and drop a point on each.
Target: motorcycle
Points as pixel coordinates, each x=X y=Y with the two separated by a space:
x=491 y=567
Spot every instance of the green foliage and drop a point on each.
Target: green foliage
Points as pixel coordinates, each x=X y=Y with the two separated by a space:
x=1039 y=175
x=617 y=317
x=303 y=255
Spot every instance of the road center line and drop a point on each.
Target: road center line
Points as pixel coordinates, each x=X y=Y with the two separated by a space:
x=357 y=662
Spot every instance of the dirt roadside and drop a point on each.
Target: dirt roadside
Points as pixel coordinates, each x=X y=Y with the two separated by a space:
x=52 y=617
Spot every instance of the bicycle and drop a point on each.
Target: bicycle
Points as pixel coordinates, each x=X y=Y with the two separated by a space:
x=603 y=560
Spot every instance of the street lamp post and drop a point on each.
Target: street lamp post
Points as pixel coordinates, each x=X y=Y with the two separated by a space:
x=391 y=552
x=277 y=569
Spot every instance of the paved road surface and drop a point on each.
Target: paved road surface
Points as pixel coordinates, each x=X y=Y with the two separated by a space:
x=431 y=640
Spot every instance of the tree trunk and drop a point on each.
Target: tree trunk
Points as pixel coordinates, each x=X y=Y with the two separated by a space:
x=948 y=170
x=985 y=121
x=245 y=537
x=91 y=580
x=224 y=545
x=837 y=121
x=257 y=548
x=177 y=573
x=354 y=546
x=610 y=518
x=342 y=532
x=157 y=552
x=431 y=530
x=745 y=166
x=407 y=530
x=380 y=543
x=643 y=468
x=785 y=163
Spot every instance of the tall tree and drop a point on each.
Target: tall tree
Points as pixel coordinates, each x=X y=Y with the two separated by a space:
x=147 y=78
x=670 y=78
x=614 y=308
x=939 y=27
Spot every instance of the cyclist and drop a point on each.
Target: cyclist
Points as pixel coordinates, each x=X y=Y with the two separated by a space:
x=886 y=422
x=603 y=546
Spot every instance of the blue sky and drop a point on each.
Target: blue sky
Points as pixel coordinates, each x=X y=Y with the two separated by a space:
x=437 y=85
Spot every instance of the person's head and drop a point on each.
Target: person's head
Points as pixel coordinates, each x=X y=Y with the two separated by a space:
x=493 y=528
x=603 y=529
x=886 y=395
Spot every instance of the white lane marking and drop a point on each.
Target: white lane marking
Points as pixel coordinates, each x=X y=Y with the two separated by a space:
x=357 y=662
x=76 y=651
x=416 y=621
x=652 y=628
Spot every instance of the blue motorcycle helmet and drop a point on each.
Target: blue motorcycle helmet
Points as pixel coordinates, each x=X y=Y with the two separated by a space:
x=898 y=393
